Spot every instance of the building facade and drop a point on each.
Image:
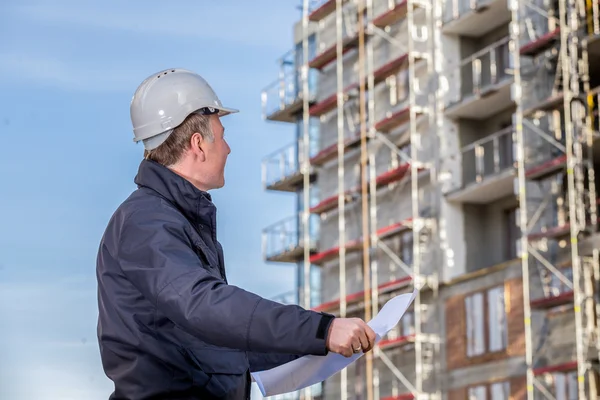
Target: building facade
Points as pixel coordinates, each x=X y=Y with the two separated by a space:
x=446 y=146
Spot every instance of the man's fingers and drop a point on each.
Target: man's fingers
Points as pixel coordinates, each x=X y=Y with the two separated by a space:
x=347 y=352
x=371 y=336
x=367 y=338
x=364 y=341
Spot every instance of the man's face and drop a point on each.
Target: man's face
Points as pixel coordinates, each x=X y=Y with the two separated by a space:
x=216 y=155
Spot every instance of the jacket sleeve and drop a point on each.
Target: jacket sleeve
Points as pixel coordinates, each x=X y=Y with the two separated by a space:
x=264 y=361
x=157 y=256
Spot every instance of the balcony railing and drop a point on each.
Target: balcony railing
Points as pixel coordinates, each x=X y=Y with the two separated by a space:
x=282 y=99
x=282 y=167
x=484 y=70
x=488 y=156
x=455 y=9
x=287 y=236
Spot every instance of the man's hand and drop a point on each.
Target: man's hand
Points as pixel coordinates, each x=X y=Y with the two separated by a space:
x=350 y=335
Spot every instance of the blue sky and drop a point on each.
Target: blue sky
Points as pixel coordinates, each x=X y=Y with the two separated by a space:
x=68 y=70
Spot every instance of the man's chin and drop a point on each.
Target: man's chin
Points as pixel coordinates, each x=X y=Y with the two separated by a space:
x=220 y=185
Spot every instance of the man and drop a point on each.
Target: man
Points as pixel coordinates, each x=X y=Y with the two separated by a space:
x=170 y=326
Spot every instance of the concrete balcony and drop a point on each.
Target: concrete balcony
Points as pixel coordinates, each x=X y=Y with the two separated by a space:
x=282 y=100
x=482 y=83
x=488 y=167
x=281 y=169
x=474 y=18
x=284 y=240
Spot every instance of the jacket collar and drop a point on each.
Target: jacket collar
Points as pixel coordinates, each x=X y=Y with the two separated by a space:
x=195 y=204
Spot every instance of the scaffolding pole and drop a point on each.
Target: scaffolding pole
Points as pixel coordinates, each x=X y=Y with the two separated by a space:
x=370 y=81
x=515 y=28
x=339 y=44
x=525 y=223
x=424 y=279
x=427 y=354
x=372 y=161
x=582 y=215
x=364 y=176
x=307 y=393
x=417 y=222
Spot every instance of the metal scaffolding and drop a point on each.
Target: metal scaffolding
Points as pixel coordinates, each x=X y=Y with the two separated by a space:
x=571 y=155
x=556 y=127
x=421 y=110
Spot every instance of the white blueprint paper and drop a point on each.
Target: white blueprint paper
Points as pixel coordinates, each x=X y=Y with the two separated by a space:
x=309 y=370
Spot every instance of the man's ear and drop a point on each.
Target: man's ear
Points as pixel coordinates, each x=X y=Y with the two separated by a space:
x=197 y=146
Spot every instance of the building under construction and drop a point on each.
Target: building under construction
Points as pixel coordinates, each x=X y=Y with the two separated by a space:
x=446 y=146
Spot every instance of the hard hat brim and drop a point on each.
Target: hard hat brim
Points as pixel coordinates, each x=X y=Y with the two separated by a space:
x=226 y=111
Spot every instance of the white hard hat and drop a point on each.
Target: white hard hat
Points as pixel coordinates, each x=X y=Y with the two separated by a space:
x=165 y=99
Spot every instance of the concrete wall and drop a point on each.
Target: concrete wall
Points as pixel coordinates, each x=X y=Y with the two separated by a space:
x=329 y=125
x=385 y=50
x=549 y=194
x=538 y=81
x=330 y=286
x=487 y=233
x=450 y=226
x=538 y=148
x=392 y=95
x=328 y=175
x=327 y=27
x=328 y=76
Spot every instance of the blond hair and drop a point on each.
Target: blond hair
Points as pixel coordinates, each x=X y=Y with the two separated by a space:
x=171 y=150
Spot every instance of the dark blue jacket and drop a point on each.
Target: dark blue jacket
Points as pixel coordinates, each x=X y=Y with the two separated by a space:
x=170 y=326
